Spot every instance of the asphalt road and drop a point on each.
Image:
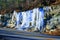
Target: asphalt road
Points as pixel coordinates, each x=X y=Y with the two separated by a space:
x=9 y=34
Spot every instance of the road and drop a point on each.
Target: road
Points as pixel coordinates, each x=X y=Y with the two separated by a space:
x=10 y=34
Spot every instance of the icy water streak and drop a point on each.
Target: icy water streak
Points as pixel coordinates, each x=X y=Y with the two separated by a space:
x=29 y=19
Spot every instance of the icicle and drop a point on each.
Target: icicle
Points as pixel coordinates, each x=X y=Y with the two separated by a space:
x=17 y=20
x=30 y=18
x=14 y=15
x=37 y=21
x=33 y=17
x=27 y=20
x=21 y=17
x=24 y=20
x=41 y=18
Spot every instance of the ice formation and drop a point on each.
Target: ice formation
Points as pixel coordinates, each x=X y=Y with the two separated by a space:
x=30 y=18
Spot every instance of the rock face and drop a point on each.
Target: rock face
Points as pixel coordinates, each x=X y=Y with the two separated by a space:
x=53 y=26
x=54 y=22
